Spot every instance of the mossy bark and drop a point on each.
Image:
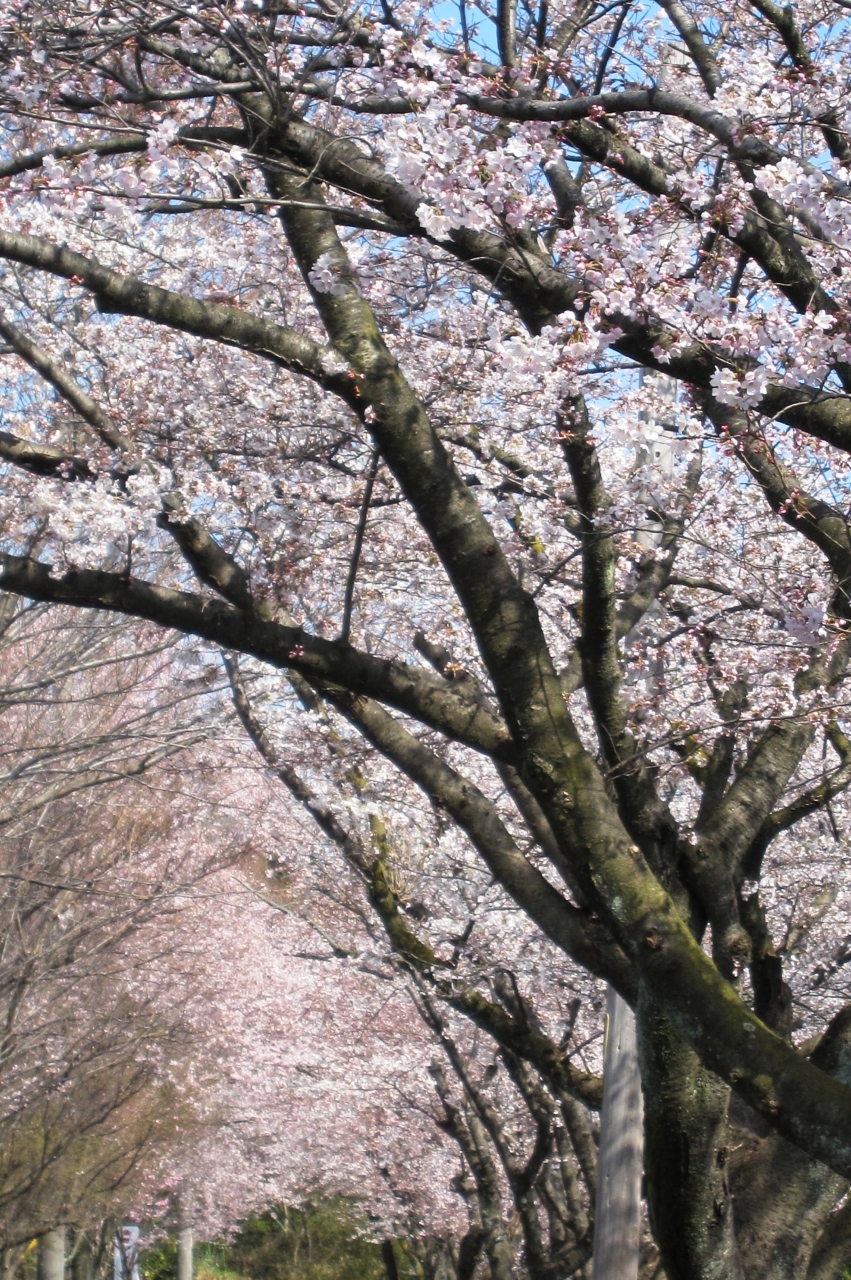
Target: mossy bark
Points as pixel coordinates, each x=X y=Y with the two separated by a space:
x=784 y=1200
x=686 y=1139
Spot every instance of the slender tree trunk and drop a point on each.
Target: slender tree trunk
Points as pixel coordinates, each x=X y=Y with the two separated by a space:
x=388 y=1255
x=469 y=1252
x=617 y=1224
x=82 y=1266
x=51 y=1255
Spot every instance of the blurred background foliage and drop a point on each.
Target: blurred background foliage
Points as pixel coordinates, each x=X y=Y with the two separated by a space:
x=321 y=1240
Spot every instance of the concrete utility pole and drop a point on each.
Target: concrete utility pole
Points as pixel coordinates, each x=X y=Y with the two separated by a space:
x=184 y=1254
x=184 y=1239
x=50 y=1258
x=617 y=1220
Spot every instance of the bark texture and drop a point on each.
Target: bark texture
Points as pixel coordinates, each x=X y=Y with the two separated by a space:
x=686 y=1154
x=783 y=1199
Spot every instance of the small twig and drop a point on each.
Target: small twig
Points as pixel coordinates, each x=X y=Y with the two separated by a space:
x=361 y=529
x=611 y=45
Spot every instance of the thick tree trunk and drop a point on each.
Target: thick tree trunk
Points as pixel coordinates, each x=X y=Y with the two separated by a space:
x=686 y=1154
x=617 y=1224
x=784 y=1200
x=832 y=1254
x=51 y=1255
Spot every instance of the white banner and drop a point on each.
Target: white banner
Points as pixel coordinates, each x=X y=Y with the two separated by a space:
x=126 y=1253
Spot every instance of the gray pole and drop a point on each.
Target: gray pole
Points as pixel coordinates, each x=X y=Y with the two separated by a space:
x=184 y=1253
x=50 y=1264
x=184 y=1238
x=617 y=1220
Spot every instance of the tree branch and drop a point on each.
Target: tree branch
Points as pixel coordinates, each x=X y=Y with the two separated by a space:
x=411 y=689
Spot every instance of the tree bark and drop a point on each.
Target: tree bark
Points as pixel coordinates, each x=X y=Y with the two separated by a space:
x=832 y=1254
x=784 y=1200
x=82 y=1265
x=686 y=1154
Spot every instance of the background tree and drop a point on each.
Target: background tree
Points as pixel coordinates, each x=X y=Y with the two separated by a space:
x=87 y=864
x=137 y=1067
x=525 y=1121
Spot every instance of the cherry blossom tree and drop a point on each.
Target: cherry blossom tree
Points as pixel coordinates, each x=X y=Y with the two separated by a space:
x=149 y=1059
x=314 y=1071
x=521 y=1122
x=325 y=329
x=87 y=1012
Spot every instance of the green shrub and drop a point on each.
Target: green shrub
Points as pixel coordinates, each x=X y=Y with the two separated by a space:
x=159 y=1263
x=322 y=1240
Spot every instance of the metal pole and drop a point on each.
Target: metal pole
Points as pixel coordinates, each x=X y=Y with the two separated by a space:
x=184 y=1254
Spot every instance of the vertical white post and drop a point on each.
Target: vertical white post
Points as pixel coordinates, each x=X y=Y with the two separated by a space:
x=184 y=1238
x=125 y=1254
x=617 y=1220
x=50 y=1262
x=184 y=1254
